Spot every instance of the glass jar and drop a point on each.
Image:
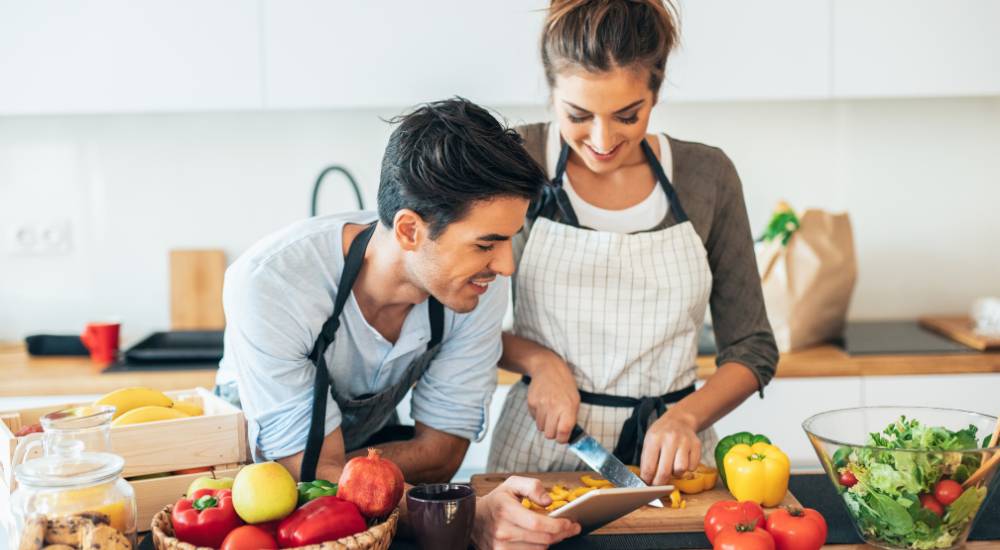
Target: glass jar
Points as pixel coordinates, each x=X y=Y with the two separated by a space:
x=73 y=497
x=90 y=424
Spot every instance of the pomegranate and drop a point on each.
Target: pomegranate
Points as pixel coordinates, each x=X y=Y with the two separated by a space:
x=374 y=484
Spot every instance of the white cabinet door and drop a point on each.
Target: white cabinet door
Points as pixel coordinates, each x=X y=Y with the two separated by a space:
x=971 y=392
x=766 y=49
x=64 y=56
x=916 y=48
x=787 y=403
x=322 y=54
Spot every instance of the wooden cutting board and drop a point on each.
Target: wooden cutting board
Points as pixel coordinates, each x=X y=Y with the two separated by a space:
x=647 y=519
x=196 y=289
x=960 y=329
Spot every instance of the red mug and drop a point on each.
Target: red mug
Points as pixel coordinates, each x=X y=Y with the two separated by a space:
x=102 y=341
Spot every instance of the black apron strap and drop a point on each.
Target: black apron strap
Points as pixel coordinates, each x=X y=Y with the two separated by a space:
x=675 y=203
x=321 y=387
x=553 y=198
x=628 y=449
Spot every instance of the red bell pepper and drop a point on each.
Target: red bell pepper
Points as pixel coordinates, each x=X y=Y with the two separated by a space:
x=206 y=517
x=325 y=518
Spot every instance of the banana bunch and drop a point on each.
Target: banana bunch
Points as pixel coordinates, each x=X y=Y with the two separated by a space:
x=138 y=405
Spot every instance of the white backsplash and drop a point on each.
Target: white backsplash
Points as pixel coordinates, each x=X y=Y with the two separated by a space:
x=920 y=179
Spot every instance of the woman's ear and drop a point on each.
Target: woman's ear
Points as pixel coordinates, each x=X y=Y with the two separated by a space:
x=409 y=229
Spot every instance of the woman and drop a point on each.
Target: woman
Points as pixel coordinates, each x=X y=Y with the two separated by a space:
x=617 y=262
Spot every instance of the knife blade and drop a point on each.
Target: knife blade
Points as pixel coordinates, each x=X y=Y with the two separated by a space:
x=593 y=454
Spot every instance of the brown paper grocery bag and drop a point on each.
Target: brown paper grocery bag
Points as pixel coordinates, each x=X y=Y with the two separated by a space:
x=808 y=281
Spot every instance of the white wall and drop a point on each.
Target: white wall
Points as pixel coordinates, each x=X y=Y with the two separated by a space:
x=919 y=177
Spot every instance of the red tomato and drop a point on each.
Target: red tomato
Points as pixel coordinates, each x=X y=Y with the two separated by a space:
x=743 y=537
x=797 y=529
x=947 y=491
x=928 y=501
x=249 y=537
x=848 y=479
x=726 y=513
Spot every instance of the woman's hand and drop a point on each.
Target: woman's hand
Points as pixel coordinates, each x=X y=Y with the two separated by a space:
x=553 y=399
x=671 y=447
x=502 y=523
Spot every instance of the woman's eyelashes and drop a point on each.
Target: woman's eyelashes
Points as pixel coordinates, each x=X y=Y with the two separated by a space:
x=624 y=119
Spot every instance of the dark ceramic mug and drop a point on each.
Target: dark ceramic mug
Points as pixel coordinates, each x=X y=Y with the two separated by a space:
x=441 y=515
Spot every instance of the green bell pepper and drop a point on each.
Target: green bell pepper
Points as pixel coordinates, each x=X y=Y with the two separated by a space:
x=730 y=441
x=311 y=490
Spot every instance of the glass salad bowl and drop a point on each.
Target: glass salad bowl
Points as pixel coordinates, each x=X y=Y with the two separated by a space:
x=911 y=477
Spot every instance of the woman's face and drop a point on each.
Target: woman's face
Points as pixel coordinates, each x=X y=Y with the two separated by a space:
x=604 y=116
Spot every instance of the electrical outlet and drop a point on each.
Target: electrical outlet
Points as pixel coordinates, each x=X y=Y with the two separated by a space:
x=40 y=238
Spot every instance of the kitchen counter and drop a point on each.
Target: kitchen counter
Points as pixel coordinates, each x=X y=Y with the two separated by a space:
x=24 y=375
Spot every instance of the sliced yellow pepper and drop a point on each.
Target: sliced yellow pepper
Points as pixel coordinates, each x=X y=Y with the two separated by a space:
x=709 y=475
x=758 y=473
x=690 y=483
x=595 y=482
x=556 y=504
x=578 y=492
x=676 y=501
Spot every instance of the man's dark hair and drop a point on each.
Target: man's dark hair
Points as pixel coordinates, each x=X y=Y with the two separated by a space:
x=446 y=155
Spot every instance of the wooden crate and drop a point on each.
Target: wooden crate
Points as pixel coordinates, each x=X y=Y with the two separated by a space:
x=217 y=437
x=151 y=495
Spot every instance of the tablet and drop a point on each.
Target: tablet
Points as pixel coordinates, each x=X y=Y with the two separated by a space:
x=600 y=507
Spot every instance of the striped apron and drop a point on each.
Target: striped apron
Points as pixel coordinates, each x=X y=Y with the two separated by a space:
x=623 y=311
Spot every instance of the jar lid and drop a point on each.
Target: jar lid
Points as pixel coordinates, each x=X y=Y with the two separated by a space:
x=69 y=466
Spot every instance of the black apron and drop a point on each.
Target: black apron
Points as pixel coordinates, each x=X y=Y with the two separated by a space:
x=645 y=410
x=368 y=419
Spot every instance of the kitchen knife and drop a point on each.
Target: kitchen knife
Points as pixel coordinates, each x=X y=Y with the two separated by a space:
x=593 y=454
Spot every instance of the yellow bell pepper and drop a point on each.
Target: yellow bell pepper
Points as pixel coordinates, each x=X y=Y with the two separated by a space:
x=758 y=473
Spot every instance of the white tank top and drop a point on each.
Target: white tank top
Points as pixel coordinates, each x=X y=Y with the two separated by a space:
x=643 y=216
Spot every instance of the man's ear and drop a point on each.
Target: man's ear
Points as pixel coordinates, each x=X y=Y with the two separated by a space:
x=409 y=229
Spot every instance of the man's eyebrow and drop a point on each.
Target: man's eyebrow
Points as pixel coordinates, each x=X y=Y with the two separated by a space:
x=493 y=237
x=618 y=112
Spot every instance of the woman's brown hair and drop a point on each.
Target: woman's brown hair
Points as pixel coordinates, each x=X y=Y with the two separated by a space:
x=599 y=35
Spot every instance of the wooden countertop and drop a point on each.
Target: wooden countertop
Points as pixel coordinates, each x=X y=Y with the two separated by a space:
x=24 y=375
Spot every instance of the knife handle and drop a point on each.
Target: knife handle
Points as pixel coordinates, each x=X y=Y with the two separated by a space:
x=577 y=433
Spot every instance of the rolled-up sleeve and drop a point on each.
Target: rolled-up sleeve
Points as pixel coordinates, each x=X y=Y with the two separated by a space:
x=454 y=395
x=268 y=346
x=742 y=332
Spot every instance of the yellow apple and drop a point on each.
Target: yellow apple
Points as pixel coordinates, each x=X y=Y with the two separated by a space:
x=264 y=492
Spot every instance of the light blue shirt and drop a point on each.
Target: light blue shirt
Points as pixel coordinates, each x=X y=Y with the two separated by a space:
x=277 y=296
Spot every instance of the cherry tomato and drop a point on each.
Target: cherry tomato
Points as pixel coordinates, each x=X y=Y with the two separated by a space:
x=947 y=491
x=249 y=537
x=928 y=501
x=797 y=529
x=743 y=537
x=847 y=478
x=726 y=513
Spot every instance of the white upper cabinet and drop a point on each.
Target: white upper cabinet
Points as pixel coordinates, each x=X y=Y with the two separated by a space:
x=765 y=49
x=66 y=56
x=916 y=48
x=320 y=53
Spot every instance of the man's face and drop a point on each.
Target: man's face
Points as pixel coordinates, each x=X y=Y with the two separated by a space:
x=457 y=266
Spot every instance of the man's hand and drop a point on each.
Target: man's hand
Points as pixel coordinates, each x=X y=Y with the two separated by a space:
x=553 y=399
x=502 y=523
x=671 y=447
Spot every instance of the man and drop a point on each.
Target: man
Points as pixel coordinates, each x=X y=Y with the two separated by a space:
x=332 y=320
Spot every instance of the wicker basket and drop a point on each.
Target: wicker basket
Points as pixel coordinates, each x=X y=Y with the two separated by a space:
x=377 y=537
